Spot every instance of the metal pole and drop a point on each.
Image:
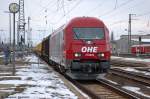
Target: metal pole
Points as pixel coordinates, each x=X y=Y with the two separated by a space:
x=18 y=46
x=10 y=28
x=28 y=35
x=14 y=44
x=129 y=34
x=10 y=34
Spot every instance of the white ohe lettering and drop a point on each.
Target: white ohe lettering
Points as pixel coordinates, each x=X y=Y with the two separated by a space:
x=89 y=49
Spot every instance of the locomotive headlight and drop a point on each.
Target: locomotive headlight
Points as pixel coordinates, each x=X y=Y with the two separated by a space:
x=77 y=54
x=101 y=54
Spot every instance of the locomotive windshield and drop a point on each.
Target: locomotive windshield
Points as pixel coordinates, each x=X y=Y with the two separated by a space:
x=88 y=33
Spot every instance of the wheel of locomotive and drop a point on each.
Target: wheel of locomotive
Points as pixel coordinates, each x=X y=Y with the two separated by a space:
x=105 y=70
x=52 y=63
x=62 y=69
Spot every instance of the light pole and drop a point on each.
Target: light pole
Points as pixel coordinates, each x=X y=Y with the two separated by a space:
x=13 y=8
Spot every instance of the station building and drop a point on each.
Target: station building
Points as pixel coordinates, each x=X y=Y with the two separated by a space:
x=122 y=45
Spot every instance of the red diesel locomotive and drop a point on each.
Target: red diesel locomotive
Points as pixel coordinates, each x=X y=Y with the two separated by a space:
x=81 y=48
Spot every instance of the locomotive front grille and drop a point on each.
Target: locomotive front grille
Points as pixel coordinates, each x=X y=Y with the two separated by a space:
x=86 y=67
x=90 y=66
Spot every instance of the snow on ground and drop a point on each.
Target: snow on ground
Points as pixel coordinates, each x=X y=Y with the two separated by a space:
x=115 y=57
x=41 y=83
x=6 y=90
x=137 y=71
x=33 y=59
x=30 y=58
x=112 y=82
x=138 y=59
x=5 y=73
x=131 y=59
x=135 y=90
x=1 y=56
x=148 y=87
x=130 y=69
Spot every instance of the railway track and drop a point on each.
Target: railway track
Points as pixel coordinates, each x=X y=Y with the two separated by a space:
x=132 y=87
x=99 y=89
x=136 y=76
x=125 y=63
x=146 y=69
x=143 y=79
x=104 y=88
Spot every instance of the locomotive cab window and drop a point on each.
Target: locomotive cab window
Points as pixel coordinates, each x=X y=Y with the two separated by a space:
x=88 y=33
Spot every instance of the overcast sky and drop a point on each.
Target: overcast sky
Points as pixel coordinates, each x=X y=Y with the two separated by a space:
x=114 y=13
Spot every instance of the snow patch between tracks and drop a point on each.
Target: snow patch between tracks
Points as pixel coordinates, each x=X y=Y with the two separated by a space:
x=137 y=71
x=135 y=90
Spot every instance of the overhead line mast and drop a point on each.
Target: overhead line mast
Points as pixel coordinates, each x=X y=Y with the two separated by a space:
x=129 y=33
x=21 y=25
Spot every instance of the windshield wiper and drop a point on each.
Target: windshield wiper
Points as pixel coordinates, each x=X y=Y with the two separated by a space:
x=79 y=38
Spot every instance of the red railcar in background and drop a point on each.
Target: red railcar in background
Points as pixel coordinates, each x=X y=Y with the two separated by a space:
x=140 y=49
x=81 y=48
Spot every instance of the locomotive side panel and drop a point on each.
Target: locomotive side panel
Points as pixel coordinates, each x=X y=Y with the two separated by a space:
x=56 y=47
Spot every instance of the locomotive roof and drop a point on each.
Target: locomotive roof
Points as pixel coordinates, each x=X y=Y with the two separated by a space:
x=85 y=19
x=79 y=20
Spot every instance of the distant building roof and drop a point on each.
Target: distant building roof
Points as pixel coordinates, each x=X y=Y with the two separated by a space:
x=136 y=36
